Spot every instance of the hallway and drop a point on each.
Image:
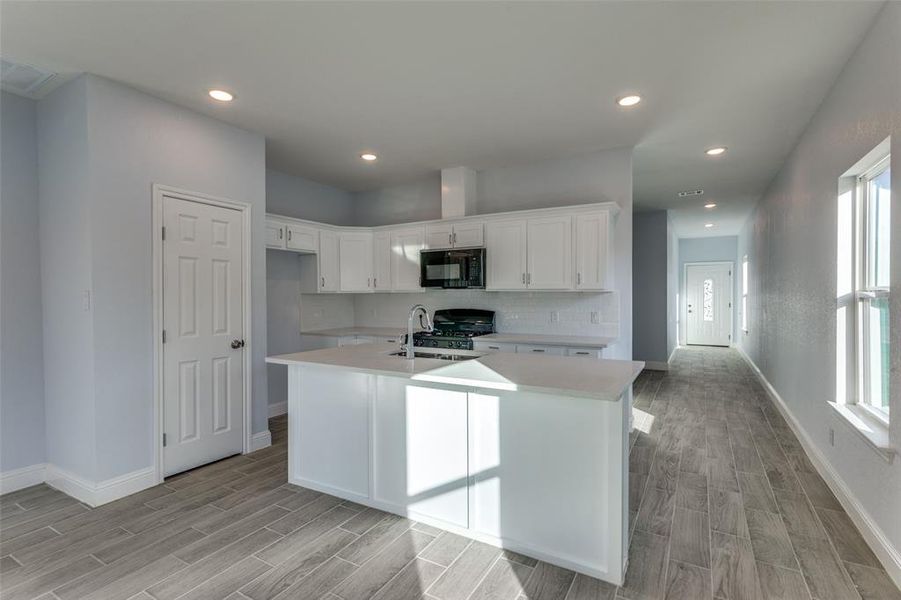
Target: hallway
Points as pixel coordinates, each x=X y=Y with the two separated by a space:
x=724 y=504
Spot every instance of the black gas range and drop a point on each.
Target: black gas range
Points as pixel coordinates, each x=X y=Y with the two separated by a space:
x=455 y=328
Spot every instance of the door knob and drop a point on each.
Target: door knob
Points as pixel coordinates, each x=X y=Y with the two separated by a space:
x=237 y=344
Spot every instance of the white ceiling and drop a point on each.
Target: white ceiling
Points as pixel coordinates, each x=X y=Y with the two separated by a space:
x=433 y=84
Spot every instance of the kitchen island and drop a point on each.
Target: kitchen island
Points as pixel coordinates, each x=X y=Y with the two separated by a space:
x=521 y=451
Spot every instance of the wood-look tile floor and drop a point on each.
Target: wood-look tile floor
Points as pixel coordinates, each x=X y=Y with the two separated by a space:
x=724 y=504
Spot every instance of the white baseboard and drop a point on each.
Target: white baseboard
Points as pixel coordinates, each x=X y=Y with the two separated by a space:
x=17 y=479
x=656 y=365
x=98 y=493
x=278 y=409
x=260 y=440
x=888 y=555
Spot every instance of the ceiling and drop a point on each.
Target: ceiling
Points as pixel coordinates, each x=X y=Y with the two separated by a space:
x=435 y=84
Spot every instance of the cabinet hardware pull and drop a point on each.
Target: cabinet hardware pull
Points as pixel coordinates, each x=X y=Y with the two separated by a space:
x=529 y=279
x=494 y=347
x=375 y=282
x=455 y=238
x=289 y=235
x=281 y=232
x=523 y=277
x=579 y=278
x=323 y=281
x=582 y=353
x=537 y=350
x=369 y=282
x=450 y=239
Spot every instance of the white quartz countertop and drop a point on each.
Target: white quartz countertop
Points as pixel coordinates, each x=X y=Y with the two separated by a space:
x=581 y=341
x=564 y=375
x=346 y=331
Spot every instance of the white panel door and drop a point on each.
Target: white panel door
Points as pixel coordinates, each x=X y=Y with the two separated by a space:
x=708 y=304
x=203 y=371
x=550 y=251
x=506 y=249
x=593 y=251
x=381 y=262
x=328 y=261
x=406 y=244
x=275 y=235
x=355 y=259
x=439 y=235
x=469 y=235
x=420 y=449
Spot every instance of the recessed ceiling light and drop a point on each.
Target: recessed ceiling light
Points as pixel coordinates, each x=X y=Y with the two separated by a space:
x=708 y=225
x=715 y=151
x=368 y=156
x=710 y=205
x=630 y=100
x=221 y=95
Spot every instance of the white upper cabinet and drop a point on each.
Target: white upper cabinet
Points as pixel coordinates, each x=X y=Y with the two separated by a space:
x=355 y=260
x=328 y=261
x=301 y=238
x=406 y=244
x=439 y=235
x=505 y=245
x=468 y=235
x=275 y=234
x=594 y=251
x=381 y=262
x=455 y=235
x=550 y=250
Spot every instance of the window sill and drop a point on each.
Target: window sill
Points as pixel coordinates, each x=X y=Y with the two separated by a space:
x=873 y=431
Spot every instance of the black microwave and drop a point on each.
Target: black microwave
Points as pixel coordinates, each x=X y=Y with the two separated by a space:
x=452 y=269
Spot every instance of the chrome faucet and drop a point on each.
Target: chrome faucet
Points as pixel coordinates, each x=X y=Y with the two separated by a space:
x=427 y=326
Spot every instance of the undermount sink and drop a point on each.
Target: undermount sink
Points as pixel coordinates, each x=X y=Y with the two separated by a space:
x=451 y=357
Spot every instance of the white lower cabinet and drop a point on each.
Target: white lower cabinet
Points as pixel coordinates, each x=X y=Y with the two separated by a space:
x=551 y=350
x=330 y=416
x=423 y=429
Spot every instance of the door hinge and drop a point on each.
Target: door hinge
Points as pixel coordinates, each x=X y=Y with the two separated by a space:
x=164 y=440
x=164 y=336
x=164 y=234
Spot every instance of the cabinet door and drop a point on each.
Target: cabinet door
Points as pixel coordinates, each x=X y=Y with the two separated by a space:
x=550 y=250
x=506 y=249
x=355 y=259
x=275 y=234
x=405 y=247
x=439 y=235
x=381 y=258
x=420 y=450
x=593 y=252
x=469 y=235
x=328 y=261
x=300 y=237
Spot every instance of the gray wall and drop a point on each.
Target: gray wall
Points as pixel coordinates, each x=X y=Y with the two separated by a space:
x=650 y=295
x=283 y=316
x=104 y=179
x=672 y=287
x=710 y=249
x=415 y=201
x=64 y=196
x=791 y=243
x=301 y=198
x=21 y=344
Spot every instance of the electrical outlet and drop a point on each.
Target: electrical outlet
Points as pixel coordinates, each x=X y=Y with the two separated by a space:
x=831 y=437
x=555 y=316
x=595 y=317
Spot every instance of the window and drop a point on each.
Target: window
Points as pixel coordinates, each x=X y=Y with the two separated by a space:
x=744 y=293
x=871 y=293
x=708 y=299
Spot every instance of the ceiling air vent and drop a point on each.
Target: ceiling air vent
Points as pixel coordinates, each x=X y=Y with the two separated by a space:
x=690 y=193
x=22 y=79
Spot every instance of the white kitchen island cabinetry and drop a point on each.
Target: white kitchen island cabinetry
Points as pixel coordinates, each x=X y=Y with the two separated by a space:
x=527 y=452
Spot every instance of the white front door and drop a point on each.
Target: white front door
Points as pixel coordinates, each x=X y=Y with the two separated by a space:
x=708 y=300
x=203 y=363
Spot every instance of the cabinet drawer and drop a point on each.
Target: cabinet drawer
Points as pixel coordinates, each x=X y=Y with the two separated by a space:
x=493 y=347
x=529 y=349
x=585 y=352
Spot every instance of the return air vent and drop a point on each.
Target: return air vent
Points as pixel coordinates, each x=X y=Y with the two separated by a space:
x=690 y=193
x=22 y=79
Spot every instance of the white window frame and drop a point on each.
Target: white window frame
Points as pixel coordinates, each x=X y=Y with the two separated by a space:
x=864 y=290
x=744 y=293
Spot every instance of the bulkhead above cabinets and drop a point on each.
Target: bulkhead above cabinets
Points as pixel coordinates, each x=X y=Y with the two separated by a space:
x=560 y=249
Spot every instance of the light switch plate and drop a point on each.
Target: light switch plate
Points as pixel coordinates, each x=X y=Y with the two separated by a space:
x=555 y=316
x=595 y=317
